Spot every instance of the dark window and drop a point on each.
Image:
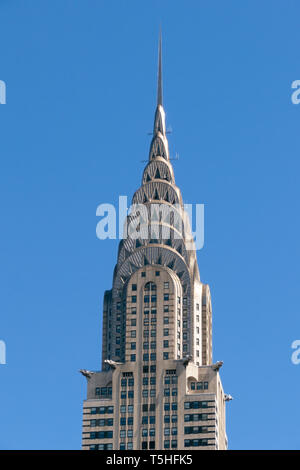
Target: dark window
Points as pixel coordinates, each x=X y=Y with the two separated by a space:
x=133 y=286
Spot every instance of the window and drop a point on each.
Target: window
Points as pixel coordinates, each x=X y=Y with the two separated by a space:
x=133 y=286
x=157 y=273
x=152 y=380
x=153 y=345
x=166 y=297
x=145 y=393
x=130 y=421
x=130 y=382
x=166 y=418
x=153 y=311
x=152 y=392
x=133 y=333
x=152 y=407
x=152 y=445
x=130 y=433
x=153 y=368
x=145 y=432
x=132 y=358
x=167 y=431
x=152 y=432
x=153 y=298
x=146 y=345
x=145 y=369
x=166 y=332
x=146 y=299
x=129 y=445
x=174 y=392
x=167 y=444
x=166 y=343
x=133 y=299
x=166 y=355
x=130 y=394
x=123 y=433
x=166 y=285
x=144 y=419
x=133 y=311
x=153 y=357
x=143 y=274
x=166 y=308
x=146 y=312
x=166 y=392
x=166 y=320
x=145 y=357
x=130 y=408
x=118 y=340
x=133 y=322
x=133 y=345
x=197 y=306
x=152 y=419
x=173 y=444
x=145 y=380
x=167 y=406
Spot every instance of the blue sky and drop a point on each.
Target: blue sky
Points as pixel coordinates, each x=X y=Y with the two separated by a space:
x=81 y=79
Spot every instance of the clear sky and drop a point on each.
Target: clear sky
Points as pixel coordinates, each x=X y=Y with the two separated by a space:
x=81 y=80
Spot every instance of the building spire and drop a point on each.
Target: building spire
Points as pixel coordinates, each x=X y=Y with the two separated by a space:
x=159 y=76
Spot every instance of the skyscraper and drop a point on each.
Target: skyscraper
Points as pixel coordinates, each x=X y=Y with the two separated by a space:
x=158 y=388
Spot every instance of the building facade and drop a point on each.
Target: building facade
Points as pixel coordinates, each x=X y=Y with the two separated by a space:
x=158 y=388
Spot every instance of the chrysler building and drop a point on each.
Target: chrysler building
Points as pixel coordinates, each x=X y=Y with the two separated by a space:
x=159 y=387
